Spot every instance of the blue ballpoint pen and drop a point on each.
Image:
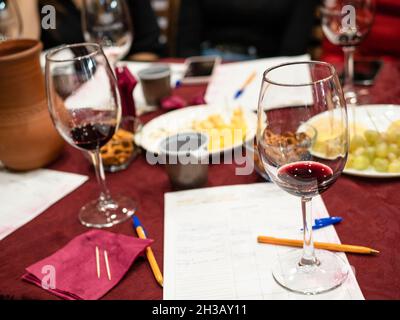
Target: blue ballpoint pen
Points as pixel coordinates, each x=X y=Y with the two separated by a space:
x=149 y=252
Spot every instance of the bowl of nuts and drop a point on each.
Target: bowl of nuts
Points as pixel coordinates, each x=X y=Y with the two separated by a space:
x=121 y=150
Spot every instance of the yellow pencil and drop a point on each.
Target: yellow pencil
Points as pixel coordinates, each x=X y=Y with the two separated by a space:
x=149 y=252
x=318 y=245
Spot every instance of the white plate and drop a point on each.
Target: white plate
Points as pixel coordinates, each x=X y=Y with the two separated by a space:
x=181 y=121
x=375 y=117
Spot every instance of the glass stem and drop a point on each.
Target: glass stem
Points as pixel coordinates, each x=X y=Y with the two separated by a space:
x=308 y=258
x=100 y=175
x=349 y=68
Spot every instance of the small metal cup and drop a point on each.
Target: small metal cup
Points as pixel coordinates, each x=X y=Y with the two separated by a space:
x=186 y=160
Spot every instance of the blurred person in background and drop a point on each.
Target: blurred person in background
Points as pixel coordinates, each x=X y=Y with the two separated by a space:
x=240 y=29
x=68 y=30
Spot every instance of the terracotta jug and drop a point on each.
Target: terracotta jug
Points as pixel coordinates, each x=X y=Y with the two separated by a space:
x=28 y=139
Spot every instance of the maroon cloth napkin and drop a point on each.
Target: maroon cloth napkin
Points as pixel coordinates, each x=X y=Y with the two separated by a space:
x=173 y=102
x=126 y=84
x=74 y=266
x=177 y=102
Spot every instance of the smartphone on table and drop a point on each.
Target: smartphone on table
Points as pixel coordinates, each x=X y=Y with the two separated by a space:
x=200 y=69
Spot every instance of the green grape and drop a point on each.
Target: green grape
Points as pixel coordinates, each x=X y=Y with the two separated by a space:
x=356 y=142
x=370 y=153
x=394 y=166
x=360 y=151
x=360 y=163
x=350 y=162
x=372 y=136
x=391 y=156
x=381 y=164
x=382 y=150
x=393 y=148
x=393 y=135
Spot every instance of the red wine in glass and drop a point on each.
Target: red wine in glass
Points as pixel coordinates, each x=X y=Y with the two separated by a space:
x=92 y=136
x=85 y=107
x=287 y=138
x=305 y=177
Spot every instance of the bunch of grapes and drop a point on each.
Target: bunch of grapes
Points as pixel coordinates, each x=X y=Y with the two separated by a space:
x=376 y=150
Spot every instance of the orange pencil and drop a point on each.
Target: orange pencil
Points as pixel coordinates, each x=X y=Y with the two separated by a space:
x=318 y=245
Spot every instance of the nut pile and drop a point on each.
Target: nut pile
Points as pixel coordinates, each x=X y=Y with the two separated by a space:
x=119 y=150
x=287 y=147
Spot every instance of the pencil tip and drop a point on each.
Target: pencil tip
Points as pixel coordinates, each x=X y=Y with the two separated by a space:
x=374 y=251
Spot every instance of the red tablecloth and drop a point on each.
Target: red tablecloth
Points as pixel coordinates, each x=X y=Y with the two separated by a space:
x=371 y=209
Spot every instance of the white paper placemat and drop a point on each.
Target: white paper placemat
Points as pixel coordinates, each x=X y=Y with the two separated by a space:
x=23 y=196
x=211 y=249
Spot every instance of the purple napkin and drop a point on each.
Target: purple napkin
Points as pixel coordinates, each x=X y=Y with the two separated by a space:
x=126 y=84
x=71 y=272
x=178 y=102
x=173 y=102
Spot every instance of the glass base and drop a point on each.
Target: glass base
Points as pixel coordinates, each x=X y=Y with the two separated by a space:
x=328 y=274
x=95 y=215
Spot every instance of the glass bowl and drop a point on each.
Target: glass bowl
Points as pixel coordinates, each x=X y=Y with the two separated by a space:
x=252 y=155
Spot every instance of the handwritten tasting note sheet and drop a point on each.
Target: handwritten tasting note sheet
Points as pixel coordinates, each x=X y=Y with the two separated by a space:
x=211 y=249
x=23 y=196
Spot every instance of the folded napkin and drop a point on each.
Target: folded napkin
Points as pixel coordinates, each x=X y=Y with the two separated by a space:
x=74 y=270
x=178 y=102
x=126 y=84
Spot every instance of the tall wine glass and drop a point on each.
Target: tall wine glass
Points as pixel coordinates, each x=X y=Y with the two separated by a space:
x=85 y=107
x=346 y=23
x=10 y=20
x=298 y=103
x=108 y=22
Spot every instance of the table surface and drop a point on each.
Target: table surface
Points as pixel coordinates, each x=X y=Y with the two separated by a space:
x=370 y=209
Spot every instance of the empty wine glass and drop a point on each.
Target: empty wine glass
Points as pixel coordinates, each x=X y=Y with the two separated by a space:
x=298 y=103
x=85 y=107
x=346 y=23
x=10 y=20
x=108 y=22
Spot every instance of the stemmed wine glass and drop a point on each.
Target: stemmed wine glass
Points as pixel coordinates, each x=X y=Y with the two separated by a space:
x=108 y=22
x=85 y=107
x=10 y=20
x=346 y=23
x=299 y=102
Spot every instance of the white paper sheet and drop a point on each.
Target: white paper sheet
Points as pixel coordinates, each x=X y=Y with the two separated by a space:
x=211 y=249
x=229 y=78
x=23 y=196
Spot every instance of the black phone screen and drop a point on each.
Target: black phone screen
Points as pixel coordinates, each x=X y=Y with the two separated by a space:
x=200 y=69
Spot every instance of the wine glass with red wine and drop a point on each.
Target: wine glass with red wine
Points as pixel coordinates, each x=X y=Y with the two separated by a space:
x=85 y=107
x=346 y=23
x=302 y=139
